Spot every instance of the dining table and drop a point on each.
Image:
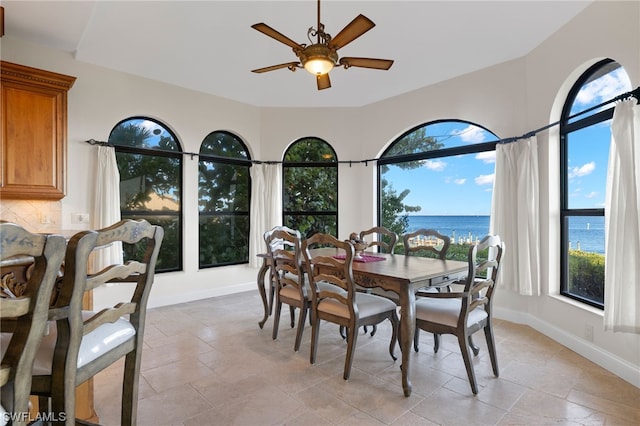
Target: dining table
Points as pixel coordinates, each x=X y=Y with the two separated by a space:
x=398 y=273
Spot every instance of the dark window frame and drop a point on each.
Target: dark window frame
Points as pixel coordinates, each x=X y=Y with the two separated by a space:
x=233 y=161
x=567 y=127
x=148 y=152
x=320 y=164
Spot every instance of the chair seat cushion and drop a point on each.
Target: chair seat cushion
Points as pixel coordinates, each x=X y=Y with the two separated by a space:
x=368 y=305
x=293 y=293
x=446 y=311
x=100 y=341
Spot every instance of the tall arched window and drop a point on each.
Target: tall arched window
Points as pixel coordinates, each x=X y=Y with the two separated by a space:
x=439 y=175
x=150 y=163
x=310 y=187
x=584 y=154
x=224 y=186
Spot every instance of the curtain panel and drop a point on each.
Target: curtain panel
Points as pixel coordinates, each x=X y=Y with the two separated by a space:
x=622 y=222
x=515 y=212
x=106 y=209
x=266 y=206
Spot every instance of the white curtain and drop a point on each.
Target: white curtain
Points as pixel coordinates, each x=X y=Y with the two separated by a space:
x=622 y=222
x=266 y=206
x=106 y=210
x=515 y=214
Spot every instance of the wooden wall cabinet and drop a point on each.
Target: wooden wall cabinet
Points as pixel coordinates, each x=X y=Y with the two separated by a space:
x=33 y=136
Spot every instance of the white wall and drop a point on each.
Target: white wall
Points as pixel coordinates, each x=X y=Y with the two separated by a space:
x=509 y=99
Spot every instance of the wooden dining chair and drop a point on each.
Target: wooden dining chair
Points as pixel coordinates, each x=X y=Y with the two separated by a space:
x=274 y=244
x=24 y=307
x=343 y=306
x=290 y=288
x=465 y=312
x=384 y=241
x=82 y=343
x=427 y=243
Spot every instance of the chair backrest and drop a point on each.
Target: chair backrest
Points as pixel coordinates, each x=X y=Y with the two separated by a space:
x=283 y=244
x=426 y=241
x=386 y=239
x=28 y=311
x=341 y=274
x=484 y=264
x=141 y=241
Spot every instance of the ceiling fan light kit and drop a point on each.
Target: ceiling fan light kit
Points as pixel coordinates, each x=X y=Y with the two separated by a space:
x=321 y=57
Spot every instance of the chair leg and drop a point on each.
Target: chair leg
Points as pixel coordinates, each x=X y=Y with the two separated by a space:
x=436 y=343
x=491 y=345
x=352 y=339
x=315 y=332
x=475 y=348
x=416 y=339
x=129 y=413
x=374 y=328
x=464 y=349
x=395 y=324
x=276 y=319
x=301 y=321
x=343 y=333
x=292 y=312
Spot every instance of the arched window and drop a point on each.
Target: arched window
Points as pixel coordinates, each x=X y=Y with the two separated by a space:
x=310 y=187
x=439 y=175
x=224 y=194
x=584 y=155
x=150 y=163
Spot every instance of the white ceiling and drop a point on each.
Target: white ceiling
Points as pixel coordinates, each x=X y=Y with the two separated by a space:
x=209 y=46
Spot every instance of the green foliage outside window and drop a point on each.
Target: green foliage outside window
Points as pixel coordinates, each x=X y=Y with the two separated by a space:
x=586 y=275
x=150 y=166
x=310 y=187
x=224 y=185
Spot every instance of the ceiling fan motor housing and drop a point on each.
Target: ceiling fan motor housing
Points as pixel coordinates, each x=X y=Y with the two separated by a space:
x=318 y=52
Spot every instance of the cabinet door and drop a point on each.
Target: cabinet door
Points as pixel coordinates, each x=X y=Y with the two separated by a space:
x=34 y=132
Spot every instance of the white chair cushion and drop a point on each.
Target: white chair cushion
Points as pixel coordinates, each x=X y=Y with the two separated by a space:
x=368 y=305
x=94 y=344
x=446 y=311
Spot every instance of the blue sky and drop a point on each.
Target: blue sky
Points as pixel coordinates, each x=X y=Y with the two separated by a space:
x=462 y=185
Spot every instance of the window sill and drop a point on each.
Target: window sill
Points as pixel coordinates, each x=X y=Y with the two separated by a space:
x=577 y=304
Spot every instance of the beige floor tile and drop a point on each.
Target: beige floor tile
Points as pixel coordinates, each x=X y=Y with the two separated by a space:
x=208 y=363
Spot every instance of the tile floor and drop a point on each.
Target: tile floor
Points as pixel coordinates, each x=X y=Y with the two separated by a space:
x=208 y=363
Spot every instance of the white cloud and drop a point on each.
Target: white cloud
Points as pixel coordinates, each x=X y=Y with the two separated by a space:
x=484 y=179
x=591 y=194
x=435 y=165
x=459 y=181
x=486 y=157
x=582 y=170
x=604 y=88
x=471 y=134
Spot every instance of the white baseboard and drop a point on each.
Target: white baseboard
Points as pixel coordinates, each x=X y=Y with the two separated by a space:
x=611 y=362
x=156 y=302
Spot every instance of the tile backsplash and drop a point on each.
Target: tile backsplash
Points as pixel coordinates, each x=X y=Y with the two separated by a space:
x=33 y=215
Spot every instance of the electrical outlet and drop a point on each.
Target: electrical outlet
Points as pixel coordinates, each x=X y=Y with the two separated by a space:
x=588 y=332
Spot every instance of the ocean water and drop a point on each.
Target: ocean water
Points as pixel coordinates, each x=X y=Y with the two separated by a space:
x=585 y=233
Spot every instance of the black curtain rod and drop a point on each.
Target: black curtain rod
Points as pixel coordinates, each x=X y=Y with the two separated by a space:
x=631 y=94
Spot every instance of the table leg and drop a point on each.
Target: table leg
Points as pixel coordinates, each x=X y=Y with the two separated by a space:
x=407 y=328
x=261 y=273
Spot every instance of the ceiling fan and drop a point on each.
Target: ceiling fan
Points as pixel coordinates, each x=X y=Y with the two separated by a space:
x=320 y=57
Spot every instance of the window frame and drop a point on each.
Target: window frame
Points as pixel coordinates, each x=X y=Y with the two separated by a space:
x=148 y=152
x=311 y=164
x=232 y=161
x=566 y=128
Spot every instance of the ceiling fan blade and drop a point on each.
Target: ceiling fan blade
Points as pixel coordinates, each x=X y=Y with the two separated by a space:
x=267 y=30
x=290 y=65
x=360 y=25
x=378 y=64
x=323 y=81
